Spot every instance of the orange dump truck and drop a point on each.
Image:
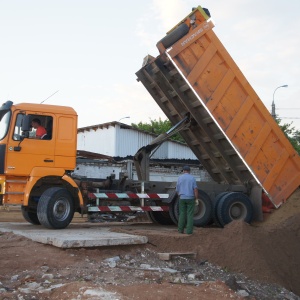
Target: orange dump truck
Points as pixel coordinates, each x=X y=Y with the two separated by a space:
x=231 y=131
x=204 y=94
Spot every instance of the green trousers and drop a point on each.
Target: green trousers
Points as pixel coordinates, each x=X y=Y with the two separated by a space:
x=186 y=215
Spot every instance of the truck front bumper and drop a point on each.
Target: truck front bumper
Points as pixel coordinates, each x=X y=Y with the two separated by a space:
x=2 y=186
x=2 y=189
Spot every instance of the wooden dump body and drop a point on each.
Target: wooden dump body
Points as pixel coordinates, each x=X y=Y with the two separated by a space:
x=231 y=132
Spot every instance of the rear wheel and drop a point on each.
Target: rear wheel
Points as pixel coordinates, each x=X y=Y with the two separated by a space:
x=215 y=205
x=55 y=208
x=30 y=216
x=234 y=206
x=160 y=217
x=203 y=211
x=173 y=214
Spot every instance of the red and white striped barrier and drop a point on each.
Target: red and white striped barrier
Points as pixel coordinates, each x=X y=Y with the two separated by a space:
x=127 y=208
x=127 y=196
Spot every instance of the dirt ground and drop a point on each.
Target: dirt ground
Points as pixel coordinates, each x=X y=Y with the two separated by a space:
x=240 y=261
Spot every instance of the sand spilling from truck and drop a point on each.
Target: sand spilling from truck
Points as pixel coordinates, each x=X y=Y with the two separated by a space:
x=267 y=251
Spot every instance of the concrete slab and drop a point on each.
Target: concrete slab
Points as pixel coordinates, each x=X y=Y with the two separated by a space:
x=74 y=236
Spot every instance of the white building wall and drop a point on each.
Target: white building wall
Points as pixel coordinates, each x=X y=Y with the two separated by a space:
x=117 y=141
x=101 y=170
x=98 y=170
x=129 y=141
x=161 y=152
x=179 y=151
x=98 y=140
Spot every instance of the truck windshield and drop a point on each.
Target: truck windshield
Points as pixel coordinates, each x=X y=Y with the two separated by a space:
x=4 y=123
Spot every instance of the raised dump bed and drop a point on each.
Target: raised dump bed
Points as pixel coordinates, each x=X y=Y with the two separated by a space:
x=231 y=132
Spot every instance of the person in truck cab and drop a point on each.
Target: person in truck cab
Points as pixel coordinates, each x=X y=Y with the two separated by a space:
x=40 y=130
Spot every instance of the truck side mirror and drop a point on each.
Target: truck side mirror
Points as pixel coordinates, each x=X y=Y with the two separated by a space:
x=26 y=124
x=25 y=127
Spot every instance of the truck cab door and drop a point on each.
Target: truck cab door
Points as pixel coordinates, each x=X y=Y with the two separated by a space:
x=25 y=151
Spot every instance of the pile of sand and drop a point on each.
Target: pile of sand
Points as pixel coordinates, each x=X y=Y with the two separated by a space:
x=267 y=251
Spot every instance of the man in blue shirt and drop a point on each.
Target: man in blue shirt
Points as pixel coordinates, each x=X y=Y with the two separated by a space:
x=188 y=193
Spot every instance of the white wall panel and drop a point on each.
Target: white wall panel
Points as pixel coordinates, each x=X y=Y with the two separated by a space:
x=180 y=151
x=100 y=140
x=101 y=170
x=116 y=140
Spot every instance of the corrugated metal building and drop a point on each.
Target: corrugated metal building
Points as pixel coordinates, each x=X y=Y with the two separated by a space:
x=121 y=141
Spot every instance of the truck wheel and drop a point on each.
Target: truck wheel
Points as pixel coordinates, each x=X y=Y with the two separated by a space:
x=160 y=217
x=55 y=208
x=234 y=206
x=173 y=214
x=215 y=205
x=203 y=211
x=30 y=216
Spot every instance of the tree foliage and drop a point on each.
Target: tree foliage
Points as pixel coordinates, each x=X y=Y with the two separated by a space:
x=291 y=133
x=160 y=126
x=157 y=127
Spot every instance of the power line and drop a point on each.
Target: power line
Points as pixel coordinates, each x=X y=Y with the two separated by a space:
x=289 y=117
x=287 y=108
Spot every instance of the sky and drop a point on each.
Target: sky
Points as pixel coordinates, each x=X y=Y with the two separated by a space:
x=85 y=53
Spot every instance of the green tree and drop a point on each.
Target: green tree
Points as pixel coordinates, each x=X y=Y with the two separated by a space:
x=157 y=127
x=291 y=133
x=160 y=126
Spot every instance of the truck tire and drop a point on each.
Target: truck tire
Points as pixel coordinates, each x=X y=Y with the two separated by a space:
x=30 y=216
x=172 y=208
x=234 y=206
x=160 y=217
x=175 y=35
x=215 y=206
x=203 y=211
x=55 y=208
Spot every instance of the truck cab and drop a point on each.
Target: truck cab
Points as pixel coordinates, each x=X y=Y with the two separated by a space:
x=32 y=168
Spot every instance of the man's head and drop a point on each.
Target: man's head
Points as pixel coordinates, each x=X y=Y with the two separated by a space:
x=35 y=123
x=186 y=169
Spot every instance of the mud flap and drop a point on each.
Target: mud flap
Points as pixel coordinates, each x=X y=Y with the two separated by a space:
x=256 y=200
